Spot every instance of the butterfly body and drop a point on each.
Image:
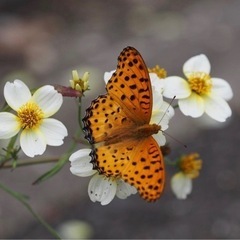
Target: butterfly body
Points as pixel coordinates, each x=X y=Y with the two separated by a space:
x=139 y=132
x=117 y=125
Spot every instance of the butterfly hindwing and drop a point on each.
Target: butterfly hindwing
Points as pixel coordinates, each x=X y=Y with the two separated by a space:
x=140 y=163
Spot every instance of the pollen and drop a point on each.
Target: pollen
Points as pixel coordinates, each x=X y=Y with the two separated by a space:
x=200 y=83
x=190 y=165
x=30 y=115
x=161 y=72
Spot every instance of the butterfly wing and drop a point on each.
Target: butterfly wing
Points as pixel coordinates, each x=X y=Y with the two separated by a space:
x=140 y=163
x=104 y=120
x=149 y=170
x=130 y=86
x=108 y=121
x=127 y=103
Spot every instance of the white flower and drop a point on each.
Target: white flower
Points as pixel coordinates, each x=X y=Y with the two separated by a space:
x=100 y=189
x=181 y=185
x=32 y=117
x=162 y=112
x=200 y=93
x=181 y=182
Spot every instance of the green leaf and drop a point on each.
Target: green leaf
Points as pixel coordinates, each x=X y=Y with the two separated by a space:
x=62 y=161
x=59 y=165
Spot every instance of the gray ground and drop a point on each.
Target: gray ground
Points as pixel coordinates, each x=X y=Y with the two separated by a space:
x=43 y=41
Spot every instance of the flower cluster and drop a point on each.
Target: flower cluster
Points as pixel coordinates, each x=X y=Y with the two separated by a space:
x=31 y=125
x=197 y=94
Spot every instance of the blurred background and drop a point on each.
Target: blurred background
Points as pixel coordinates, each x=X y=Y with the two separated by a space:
x=41 y=42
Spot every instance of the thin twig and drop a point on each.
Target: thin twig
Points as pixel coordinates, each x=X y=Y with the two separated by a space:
x=22 y=163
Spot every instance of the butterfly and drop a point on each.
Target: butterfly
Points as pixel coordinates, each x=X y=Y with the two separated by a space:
x=117 y=125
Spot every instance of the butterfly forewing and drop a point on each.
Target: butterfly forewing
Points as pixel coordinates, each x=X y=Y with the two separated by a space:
x=130 y=86
x=105 y=120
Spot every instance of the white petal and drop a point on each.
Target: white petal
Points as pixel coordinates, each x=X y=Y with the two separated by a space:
x=162 y=114
x=54 y=131
x=221 y=88
x=199 y=63
x=124 y=189
x=156 y=117
x=16 y=94
x=9 y=125
x=181 y=185
x=217 y=108
x=157 y=83
x=160 y=138
x=168 y=109
x=176 y=86
x=48 y=99
x=108 y=75
x=101 y=189
x=32 y=143
x=157 y=98
x=80 y=163
x=192 y=106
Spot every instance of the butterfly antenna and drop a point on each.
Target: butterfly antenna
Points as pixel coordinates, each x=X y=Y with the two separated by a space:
x=181 y=143
x=170 y=104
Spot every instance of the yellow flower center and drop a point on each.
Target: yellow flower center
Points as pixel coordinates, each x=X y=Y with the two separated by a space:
x=200 y=83
x=30 y=115
x=190 y=165
x=161 y=72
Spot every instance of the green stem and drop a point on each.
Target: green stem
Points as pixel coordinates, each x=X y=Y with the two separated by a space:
x=80 y=113
x=61 y=162
x=23 y=163
x=11 y=146
x=5 y=107
x=21 y=198
x=83 y=141
x=170 y=162
x=10 y=152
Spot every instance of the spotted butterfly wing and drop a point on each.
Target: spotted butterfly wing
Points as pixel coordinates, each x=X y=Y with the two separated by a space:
x=117 y=124
x=130 y=86
x=105 y=120
x=138 y=162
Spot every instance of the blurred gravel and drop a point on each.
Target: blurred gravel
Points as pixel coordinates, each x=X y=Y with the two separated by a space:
x=43 y=41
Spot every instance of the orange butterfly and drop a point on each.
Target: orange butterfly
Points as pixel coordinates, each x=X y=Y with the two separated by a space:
x=117 y=124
